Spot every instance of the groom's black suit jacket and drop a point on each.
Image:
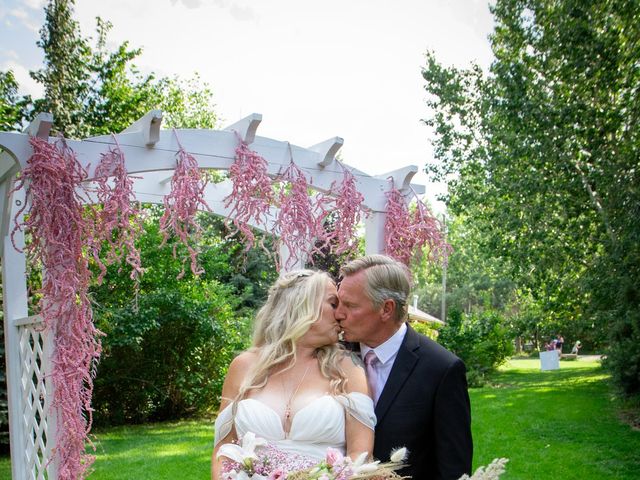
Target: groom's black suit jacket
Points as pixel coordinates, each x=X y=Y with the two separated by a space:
x=424 y=406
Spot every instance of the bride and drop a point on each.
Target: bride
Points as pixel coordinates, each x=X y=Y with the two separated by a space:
x=296 y=387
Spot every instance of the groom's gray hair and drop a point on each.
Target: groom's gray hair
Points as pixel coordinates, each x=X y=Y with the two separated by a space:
x=386 y=279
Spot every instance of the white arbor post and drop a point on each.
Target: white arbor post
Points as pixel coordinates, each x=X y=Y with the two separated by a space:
x=28 y=346
x=150 y=156
x=14 y=287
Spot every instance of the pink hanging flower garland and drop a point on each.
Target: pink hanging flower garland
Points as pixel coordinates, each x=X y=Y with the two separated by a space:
x=252 y=193
x=52 y=179
x=181 y=206
x=119 y=214
x=399 y=242
x=406 y=235
x=428 y=231
x=348 y=205
x=299 y=223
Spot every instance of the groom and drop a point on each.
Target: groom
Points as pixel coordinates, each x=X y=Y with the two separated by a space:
x=420 y=388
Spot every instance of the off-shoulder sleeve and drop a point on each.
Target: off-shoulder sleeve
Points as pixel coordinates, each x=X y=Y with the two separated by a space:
x=360 y=407
x=223 y=424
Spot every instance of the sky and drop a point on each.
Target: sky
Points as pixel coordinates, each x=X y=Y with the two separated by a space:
x=314 y=70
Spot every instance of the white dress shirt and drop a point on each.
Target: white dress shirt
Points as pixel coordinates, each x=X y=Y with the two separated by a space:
x=386 y=353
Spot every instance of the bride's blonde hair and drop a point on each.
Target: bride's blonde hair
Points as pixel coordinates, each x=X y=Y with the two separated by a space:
x=295 y=302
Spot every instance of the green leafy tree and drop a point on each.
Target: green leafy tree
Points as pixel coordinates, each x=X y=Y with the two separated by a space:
x=543 y=151
x=187 y=103
x=92 y=90
x=13 y=108
x=118 y=93
x=65 y=75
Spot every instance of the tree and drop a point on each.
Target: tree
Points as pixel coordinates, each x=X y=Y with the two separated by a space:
x=543 y=151
x=13 y=109
x=65 y=75
x=95 y=91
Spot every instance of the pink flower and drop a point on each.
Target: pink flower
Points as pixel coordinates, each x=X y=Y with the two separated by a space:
x=334 y=457
x=277 y=474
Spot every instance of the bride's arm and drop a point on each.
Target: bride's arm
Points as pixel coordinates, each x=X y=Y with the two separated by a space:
x=358 y=435
x=231 y=387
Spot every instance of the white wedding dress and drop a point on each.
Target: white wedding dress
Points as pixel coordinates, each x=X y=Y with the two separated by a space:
x=318 y=425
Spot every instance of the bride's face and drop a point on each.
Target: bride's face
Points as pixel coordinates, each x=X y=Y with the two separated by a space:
x=325 y=330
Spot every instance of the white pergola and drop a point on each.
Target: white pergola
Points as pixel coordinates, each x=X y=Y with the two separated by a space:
x=150 y=153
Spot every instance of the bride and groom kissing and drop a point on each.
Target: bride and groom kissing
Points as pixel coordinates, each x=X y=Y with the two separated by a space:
x=303 y=391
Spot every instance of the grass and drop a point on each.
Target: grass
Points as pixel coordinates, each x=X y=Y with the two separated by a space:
x=158 y=451
x=161 y=451
x=562 y=424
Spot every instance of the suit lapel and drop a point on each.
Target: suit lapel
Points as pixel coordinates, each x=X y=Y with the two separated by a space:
x=400 y=372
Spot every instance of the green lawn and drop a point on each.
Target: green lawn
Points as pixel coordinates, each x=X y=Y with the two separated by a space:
x=560 y=424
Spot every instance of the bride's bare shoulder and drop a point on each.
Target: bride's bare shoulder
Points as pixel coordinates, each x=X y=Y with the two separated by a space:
x=351 y=361
x=238 y=368
x=244 y=359
x=354 y=371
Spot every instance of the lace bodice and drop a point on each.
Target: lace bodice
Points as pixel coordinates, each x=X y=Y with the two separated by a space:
x=318 y=425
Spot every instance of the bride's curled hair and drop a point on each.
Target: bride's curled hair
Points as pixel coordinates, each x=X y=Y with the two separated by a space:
x=294 y=303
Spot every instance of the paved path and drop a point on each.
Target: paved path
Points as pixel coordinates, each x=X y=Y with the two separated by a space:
x=589 y=358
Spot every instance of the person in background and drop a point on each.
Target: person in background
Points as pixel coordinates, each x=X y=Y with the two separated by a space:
x=576 y=347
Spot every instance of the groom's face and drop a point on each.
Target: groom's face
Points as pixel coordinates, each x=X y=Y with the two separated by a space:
x=359 y=320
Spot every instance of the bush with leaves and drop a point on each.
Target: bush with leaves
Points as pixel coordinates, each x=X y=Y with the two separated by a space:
x=168 y=342
x=426 y=329
x=166 y=357
x=480 y=339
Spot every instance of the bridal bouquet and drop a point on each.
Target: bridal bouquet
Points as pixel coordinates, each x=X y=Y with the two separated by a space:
x=256 y=459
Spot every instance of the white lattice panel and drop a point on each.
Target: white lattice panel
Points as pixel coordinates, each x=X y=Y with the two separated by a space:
x=35 y=401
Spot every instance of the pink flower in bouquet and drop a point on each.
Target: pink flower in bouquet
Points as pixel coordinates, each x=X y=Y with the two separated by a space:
x=334 y=457
x=277 y=474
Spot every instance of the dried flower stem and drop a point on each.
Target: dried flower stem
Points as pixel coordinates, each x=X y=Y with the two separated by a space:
x=181 y=206
x=252 y=193
x=119 y=221
x=348 y=205
x=406 y=235
x=299 y=223
x=52 y=179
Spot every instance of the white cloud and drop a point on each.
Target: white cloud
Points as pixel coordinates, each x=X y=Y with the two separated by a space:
x=238 y=12
x=35 y=4
x=12 y=54
x=188 y=3
x=19 y=13
x=27 y=85
x=242 y=13
x=25 y=18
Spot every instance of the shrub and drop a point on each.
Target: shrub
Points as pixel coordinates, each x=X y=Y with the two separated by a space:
x=426 y=329
x=166 y=358
x=169 y=342
x=480 y=339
